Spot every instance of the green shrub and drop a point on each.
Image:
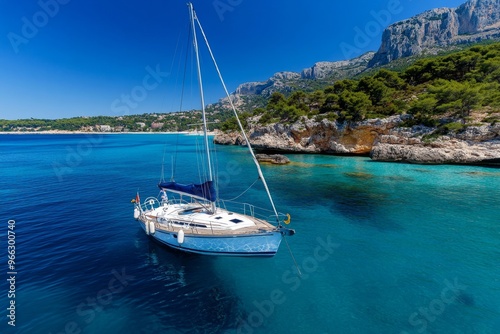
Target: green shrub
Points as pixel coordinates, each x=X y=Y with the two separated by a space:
x=454 y=126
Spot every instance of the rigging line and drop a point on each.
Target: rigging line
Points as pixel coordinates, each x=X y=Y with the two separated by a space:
x=185 y=68
x=216 y=171
x=293 y=257
x=201 y=158
x=174 y=59
x=215 y=157
x=232 y=199
x=172 y=179
x=183 y=87
x=162 y=176
x=240 y=125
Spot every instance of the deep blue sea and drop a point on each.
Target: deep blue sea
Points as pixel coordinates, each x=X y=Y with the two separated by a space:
x=382 y=247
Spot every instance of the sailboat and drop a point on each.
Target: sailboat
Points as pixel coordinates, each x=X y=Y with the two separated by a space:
x=192 y=218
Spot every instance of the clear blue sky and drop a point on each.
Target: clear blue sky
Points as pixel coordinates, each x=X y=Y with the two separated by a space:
x=66 y=58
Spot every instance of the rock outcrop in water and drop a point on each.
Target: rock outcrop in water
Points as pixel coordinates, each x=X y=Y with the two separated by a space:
x=275 y=159
x=477 y=145
x=431 y=31
x=382 y=139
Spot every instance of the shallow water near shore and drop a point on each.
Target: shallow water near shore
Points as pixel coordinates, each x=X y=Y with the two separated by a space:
x=382 y=247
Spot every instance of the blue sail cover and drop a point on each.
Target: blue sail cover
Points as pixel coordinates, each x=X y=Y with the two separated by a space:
x=205 y=190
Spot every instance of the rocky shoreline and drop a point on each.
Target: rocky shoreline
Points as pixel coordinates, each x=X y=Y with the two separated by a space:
x=382 y=139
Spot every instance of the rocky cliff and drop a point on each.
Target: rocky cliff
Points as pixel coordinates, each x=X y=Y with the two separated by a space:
x=383 y=139
x=429 y=32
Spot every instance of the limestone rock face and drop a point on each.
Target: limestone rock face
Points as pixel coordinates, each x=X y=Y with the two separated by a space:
x=337 y=69
x=478 y=15
x=477 y=144
x=258 y=88
x=473 y=21
x=232 y=138
x=309 y=136
x=383 y=139
x=440 y=152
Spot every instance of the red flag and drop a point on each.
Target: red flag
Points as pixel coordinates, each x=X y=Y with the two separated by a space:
x=137 y=199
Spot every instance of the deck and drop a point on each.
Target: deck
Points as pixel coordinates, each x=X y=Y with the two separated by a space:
x=197 y=220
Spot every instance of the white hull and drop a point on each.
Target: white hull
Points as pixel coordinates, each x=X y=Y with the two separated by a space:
x=195 y=230
x=263 y=244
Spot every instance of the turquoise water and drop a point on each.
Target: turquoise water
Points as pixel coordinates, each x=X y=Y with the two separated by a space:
x=383 y=248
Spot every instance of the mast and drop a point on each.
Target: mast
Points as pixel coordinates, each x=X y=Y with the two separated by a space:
x=200 y=82
x=259 y=170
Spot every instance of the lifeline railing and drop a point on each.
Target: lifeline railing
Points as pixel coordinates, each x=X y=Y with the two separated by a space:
x=247 y=209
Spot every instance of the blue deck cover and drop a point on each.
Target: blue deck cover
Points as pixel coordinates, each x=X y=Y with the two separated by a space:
x=205 y=190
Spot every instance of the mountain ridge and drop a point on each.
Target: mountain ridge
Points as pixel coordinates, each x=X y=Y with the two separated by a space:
x=287 y=81
x=430 y=32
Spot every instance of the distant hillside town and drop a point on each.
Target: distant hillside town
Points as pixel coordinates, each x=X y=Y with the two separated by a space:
x=160 y=122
